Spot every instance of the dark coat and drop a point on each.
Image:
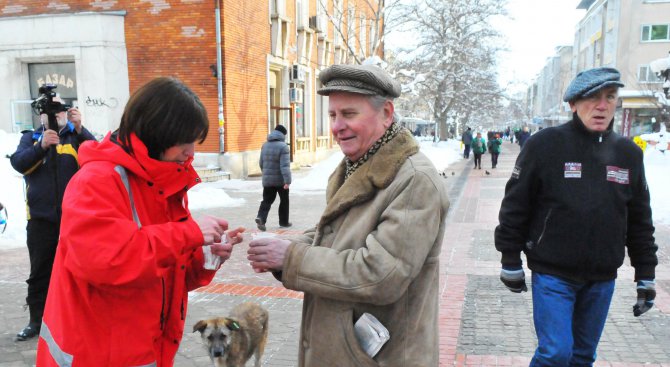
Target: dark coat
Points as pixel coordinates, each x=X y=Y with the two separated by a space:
x=275 y=161
x=467 y=137
x=576 y=200
x=44 y=192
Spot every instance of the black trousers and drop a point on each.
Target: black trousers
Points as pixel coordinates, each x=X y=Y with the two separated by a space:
x=478 y=160
x=269 y=196
x=42 y=240
x=494 y=159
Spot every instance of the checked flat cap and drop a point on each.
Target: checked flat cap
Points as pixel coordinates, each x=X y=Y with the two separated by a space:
x=361 y=79
x=589 y=82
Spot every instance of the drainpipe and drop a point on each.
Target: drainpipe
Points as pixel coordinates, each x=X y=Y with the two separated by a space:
x=219 y=77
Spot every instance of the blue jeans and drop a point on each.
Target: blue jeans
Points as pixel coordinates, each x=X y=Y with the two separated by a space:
x=569 y=319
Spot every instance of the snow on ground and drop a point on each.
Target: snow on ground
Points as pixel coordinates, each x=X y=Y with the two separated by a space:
x=309 y=182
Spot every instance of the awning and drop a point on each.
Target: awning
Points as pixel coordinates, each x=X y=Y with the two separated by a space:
x=639 y=103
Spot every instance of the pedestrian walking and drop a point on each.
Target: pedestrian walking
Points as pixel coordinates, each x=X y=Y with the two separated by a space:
x=374 y=254
x=46 y=175
x=523 y=136
x=466 y=138
x=495 y=147
x=575 y=224
x=478 y=148
x=129 y=250
x=275 y=162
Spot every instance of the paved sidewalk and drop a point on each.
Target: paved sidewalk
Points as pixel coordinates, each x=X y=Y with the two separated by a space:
x=481 y=323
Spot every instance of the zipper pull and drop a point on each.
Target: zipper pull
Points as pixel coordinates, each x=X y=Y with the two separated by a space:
x=600 y=139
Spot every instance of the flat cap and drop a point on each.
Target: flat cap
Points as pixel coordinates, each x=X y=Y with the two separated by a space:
x=361 y=79
x=589 y=82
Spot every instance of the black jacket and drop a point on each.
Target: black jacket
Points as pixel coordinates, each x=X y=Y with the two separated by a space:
x=43 y=193
x=575 y=201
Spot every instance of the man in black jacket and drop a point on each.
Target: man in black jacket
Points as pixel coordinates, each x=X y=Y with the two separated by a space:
x=45 y=185
x=275 y=163
x=576 y=200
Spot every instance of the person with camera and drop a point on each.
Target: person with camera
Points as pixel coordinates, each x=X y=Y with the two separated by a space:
x=46 y=175
x=130 y=250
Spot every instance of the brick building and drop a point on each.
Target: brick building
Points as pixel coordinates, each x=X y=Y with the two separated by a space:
x=98 y=51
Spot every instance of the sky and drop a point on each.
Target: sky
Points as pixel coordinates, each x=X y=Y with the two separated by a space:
x=221 y=193
x=531 y=33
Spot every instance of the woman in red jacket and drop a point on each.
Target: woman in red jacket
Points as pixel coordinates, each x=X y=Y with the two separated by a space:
x=129 y=249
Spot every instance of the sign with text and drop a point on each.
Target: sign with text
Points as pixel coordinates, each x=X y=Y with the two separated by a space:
x=61 y=74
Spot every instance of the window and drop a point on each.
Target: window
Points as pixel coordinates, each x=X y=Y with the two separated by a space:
x=645 y=75
x=655 y=32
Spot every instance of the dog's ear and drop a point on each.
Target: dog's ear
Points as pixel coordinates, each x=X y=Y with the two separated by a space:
x=231 y=324
x=200 y=326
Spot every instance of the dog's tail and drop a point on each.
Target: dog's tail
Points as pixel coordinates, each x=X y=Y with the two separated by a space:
x=264 y=337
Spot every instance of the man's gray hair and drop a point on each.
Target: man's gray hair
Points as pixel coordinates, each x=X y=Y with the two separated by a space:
x=378 y=101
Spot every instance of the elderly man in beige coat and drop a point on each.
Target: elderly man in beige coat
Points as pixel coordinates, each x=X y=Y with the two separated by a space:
x=376 y=247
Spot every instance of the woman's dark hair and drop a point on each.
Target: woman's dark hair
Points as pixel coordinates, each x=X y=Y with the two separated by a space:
x=163 y=113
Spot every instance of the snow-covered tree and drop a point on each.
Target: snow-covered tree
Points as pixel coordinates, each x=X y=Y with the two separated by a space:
x=455 y=60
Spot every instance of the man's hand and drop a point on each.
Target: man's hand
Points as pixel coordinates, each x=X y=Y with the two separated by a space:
x=212 y=229
x=267 y=254
x=646 y=293
x=286 y=186
x=49 y=138
x=514 y=279
x=74 y=116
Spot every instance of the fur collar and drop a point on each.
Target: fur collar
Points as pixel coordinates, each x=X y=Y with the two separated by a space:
x=376 y=174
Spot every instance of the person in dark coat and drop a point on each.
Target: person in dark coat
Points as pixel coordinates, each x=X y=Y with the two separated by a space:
x=275 y=163
x=466 y=138
x=576 y=202
x=45 y=185
x=523 y=136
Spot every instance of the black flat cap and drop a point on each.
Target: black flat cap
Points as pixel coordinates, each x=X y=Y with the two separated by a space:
x=589 y=82
x=361 y=79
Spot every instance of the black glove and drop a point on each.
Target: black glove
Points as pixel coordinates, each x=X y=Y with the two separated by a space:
x=514 y=279
x=646 y=293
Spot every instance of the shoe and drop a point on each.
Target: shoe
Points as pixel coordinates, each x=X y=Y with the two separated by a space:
x=28 y=332
x=286 y=225
x=260 y=224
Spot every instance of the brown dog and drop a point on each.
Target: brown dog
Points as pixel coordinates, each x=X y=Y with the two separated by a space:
x=232 y=340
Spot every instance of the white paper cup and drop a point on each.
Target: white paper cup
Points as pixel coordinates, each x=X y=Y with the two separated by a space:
x=212 y=262
x=259 y=235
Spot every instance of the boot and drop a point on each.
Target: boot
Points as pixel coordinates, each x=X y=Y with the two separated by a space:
x=33 y=328
x=260 y=223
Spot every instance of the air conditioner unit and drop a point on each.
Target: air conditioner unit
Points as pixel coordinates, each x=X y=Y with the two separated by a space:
x=297 y=74
x=295 y=95
x=316 y=23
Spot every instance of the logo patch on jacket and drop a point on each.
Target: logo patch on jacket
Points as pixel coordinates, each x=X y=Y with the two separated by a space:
x=618 y=175
x=572 y=170
x=516 y=172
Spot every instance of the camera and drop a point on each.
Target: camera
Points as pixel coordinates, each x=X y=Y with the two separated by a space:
x=45 y=102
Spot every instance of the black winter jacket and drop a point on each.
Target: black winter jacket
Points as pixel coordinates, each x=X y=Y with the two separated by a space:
x=575 y=201
x=44 y=192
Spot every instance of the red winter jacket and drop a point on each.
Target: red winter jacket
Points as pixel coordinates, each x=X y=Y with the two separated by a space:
x=119 y=289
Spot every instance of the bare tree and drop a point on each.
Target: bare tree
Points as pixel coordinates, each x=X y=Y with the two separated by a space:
x=362 y=26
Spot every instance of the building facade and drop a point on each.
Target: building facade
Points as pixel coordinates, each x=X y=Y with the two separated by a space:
x=627 y=35
x=271 y=52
